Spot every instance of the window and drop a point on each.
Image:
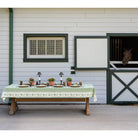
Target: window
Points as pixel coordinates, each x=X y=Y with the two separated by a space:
x=118 y=46
x=45 y=47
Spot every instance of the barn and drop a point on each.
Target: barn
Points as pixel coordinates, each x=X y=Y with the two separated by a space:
x=86 y=44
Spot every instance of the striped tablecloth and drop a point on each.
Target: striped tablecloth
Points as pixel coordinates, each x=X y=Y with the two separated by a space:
x=13 y=91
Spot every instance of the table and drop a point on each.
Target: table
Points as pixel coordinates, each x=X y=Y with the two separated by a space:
x=48 y=94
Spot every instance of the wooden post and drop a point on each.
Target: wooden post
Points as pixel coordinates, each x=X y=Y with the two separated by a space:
x=13 y=107
x=87 y=106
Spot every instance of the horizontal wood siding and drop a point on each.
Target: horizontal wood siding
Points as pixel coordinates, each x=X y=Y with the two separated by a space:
x=74 y=22
x=4 y=49
x=71 y=21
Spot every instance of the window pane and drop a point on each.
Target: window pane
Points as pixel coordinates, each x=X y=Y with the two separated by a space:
x=50 y=47
x=59 y=47
x=32 y=47
x=41 y=47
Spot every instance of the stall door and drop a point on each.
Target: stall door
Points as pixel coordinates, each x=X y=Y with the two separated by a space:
x=123 y=87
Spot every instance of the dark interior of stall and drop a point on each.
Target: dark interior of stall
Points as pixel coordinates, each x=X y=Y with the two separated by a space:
x=118 y=45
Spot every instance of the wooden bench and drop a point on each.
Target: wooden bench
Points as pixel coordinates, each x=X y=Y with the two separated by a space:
x=14 y=105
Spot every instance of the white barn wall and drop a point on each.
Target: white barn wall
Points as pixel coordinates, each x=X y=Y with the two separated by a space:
x=4 y=46
x=71 y=21
x=74 y=22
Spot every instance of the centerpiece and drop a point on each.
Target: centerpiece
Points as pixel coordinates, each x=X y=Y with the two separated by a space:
x=51 y=81
x=61 y=74
x=69 y=81
x=39 y=74
x=31 y=81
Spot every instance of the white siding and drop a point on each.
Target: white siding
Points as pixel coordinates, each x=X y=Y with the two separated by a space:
x=74 y=22
x=71 y=21
x=4 y=43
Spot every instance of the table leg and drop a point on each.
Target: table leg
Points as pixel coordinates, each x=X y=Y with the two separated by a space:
x=87 y=107
x=16 y=106
x=13 y=107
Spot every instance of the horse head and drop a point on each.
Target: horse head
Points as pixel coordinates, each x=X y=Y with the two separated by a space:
x=127 y=56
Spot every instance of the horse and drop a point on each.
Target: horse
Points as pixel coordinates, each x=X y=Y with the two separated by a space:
x=127 y=56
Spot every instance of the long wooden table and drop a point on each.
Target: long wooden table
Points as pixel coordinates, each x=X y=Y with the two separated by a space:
x=48 y=94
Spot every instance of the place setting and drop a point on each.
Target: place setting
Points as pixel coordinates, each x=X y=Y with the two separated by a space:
x=49 y=83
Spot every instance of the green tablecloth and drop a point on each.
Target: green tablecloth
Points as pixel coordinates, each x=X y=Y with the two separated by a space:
x=13 y=91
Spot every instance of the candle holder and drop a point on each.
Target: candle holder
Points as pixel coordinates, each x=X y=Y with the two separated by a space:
x=21 y=82
x=36 y=82
x=39 y=74
x=61 y=74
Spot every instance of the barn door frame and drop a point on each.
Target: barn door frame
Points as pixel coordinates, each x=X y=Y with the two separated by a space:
x=111 y=72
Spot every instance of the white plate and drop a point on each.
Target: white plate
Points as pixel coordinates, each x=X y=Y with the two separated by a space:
x=23 y=86
x=40 y=86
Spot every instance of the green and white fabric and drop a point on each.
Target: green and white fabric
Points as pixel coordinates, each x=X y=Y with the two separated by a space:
x=13 y=91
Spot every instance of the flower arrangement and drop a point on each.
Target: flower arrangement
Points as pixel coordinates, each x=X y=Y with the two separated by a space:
x=31 y=79
x=69 y=79
x=51 y=79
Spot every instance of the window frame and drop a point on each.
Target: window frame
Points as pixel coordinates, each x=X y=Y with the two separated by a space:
x=25 y=49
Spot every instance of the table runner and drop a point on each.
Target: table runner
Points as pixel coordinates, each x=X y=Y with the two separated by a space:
x=13 y=91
